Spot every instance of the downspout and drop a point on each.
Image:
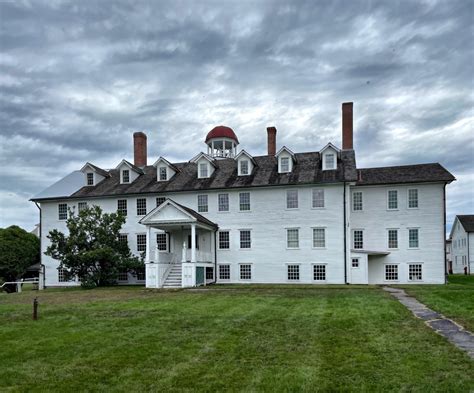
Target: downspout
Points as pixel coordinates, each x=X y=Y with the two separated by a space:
x=444 y=235
x=345 y=236
x=215 y=256
x=43 y=268
x=468 y=260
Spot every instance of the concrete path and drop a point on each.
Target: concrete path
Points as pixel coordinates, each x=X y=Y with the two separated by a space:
x=455 y=333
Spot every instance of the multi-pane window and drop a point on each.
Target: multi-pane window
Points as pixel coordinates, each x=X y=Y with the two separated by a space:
x=160 y=200
x=123 y=238
x=122 y=275
x=292 y=199
x=415 y=272
x=224 y=272
x=393 y=199
x=62 y=211
x=122 y=206
x=245 y=272
x=358 y=239
x=285 y=164
x=329 y=161
x=203 y=169
x=62 y=275
x=224 y=240
x=209 y=273
x=393 y=238
x=413 y=239
x=141 y=206
x=163 y=173
x=90 y=179
x=413 y=198
x=357 y=204
x=355 y=262
x=245 y=239
x=141 y=242
x=293 y=238
x=244 y=167
x=125 y=176
x=319 y=237
x=81 y=206
x=319 y=272
x=223 y=202
x=391 y=272
x=162 y=241
x=318 y=198
x=141 y=275
x=293 y=272
x=202 y=204
x=244 y=201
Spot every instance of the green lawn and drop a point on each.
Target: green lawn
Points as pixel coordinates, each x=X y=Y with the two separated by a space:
x=454 y=300
x=283 y=339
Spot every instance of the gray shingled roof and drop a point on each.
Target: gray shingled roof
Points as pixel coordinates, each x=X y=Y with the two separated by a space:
x=467 y=222
x=420 y=173
x=307 y=170
x=100 y=171
x=196 y=215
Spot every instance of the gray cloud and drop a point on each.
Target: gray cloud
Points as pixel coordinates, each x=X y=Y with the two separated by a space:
x=78 y=78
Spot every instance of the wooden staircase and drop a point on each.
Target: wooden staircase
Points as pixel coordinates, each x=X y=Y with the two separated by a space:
x=174 y=278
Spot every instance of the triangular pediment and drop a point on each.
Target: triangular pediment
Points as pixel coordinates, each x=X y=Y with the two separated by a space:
x=167 y=212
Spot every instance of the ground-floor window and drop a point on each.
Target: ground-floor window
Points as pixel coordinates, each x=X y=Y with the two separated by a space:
x=293 y=272
x=355 y=262
x=62 y=275
x=319 y=272
x=209 y=273
x=141 y=242
x=162 y=241
x=245 y=272
x=224 y=272
x=122 y=275
x=415 y=272
x=391 y=272
x=141 y=275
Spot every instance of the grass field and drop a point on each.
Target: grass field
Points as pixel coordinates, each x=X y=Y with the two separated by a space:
x=455 y=300
x=275 y=339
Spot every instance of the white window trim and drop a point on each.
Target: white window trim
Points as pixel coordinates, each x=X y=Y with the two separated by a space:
x=230 y=272
x=228 y=203
x=240 y=167
x=408 y=198
x=297 y=200
x=159 y=172
x=67 y=211
x=352 y=201
x=408 y=234
x=230 y=243
x=251 y=272
x=324 y=199
x=121 y=176
x=353 y=240
x=325 y=274
x=398 y=238
x=250 y=202
x=325 y=238
x=167 y=241
x=136 y=242
x=299 y=271
x=398 y=271
x=280 y=166
x=299 y=238
x=207 y=170
x=87 y=179
x=358 y=263
x=251 y=241
x=325 y=165
x=422 y=271
x=398 y=200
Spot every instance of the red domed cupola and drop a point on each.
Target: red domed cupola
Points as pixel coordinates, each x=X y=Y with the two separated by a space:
x=222 y=142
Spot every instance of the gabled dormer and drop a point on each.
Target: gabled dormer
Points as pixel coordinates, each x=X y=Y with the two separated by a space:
x=205 y=165
x=164 y=169
x=128 y=172
x=329 y=155
x=245 y=163
x=286 y=160
x=93 y=174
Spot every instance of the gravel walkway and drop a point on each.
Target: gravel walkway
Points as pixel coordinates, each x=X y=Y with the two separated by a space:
x=455 y=333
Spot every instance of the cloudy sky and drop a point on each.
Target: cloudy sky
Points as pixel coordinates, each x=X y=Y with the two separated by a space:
x=78 y=78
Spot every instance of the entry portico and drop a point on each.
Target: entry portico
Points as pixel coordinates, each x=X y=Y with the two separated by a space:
x=185 y=253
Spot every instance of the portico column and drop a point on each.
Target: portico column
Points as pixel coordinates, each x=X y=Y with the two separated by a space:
x=193 y=242
x=147 y=252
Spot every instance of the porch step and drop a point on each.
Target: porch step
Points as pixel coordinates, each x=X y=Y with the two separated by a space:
x=174 y=278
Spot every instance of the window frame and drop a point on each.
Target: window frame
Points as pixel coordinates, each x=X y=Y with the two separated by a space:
x=122 y=173
x=417 y=198
x=287 y=163
x=220 y=271
x=314 y=273
x=288 y=199
x=388 y=200
x=219 y=239
x=219 y=203
x=121 y=209
x=62 y=215
x=200 y=206
x=90 y=178
x=353 y=259
x=203 y=165
x=123 y=237
x=142 y=208
x=297 y=231
x=243 y=203
x=160 y=198
x=410 y=265
x=392 y=230
x=354 y=240
x=160 y=173
x=330 y=167
x=158 y=243
x=241 y=231
x=296 y=272
x=139 y=244
x=241 y=167
x=250 y=271
x=361 y=201
x=313 y=190
x=81 y=206
x=396 y=272
x=313 y=229
x=417 y=238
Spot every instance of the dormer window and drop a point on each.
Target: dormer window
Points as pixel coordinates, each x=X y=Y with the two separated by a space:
x=285 y=164
x=330 y=161
x=203 y=170
x=90 y=179
x=244 y=167
x=125 y=176
x=163 y=175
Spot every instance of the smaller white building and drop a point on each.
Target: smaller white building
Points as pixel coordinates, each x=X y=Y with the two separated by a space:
x=462 y=244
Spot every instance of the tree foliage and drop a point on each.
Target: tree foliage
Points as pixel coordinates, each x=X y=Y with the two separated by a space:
x=19 y=249
x=92 y=250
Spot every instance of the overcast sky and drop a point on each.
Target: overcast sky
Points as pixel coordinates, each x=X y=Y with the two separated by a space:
x=78 y=78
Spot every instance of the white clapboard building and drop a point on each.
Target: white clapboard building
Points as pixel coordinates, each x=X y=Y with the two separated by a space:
x=462 y=244
x=226 y=216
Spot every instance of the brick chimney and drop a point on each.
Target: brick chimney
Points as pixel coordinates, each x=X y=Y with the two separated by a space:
x=139 y=149
x=271 y=140
x=347 y=128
